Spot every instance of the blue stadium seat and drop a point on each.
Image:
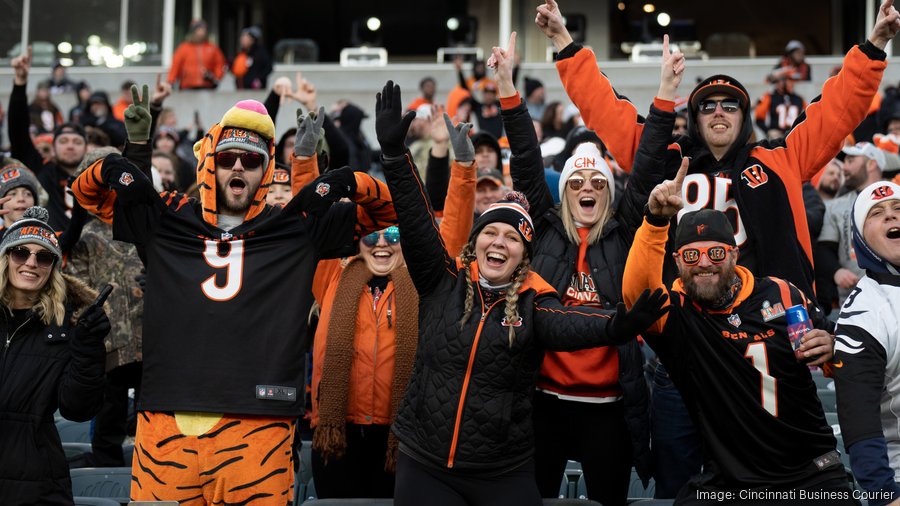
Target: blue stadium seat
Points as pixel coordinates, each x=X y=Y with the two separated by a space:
x=310 y=493
x=109 y=482
x=821 y=381
x=95 y=501
x=78 y=454
x=828 y=399
x=74 y=432
x=636 y=489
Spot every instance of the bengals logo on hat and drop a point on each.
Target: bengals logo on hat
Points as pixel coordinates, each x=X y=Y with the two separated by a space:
x=323 y=189
x=126 y=179
x=525 y=229
x=755 y=176
x=882 y=192
x=700 y=228
x=10 y=174
x=281 y=176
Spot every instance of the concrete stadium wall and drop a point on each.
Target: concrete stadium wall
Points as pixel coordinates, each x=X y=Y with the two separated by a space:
x=638 y=81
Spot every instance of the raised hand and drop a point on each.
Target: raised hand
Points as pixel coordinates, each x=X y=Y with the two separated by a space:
x=646 y=310
x=309 y=129
x=306 y=93
x=22 y=65
x=439 y=133
x=390 y=128
x=282 y=88
x=503 y=61
x=887 y=24
x=463 y=149
x=162 y=90
x=665 y=200
x=137 y=116
x=671 y=71
x=550 y=22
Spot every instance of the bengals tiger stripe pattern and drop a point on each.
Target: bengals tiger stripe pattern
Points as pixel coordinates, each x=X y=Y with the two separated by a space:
x=245 y=460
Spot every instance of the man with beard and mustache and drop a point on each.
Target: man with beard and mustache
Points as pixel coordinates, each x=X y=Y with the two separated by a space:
x=69 y=146
x=222 y=381
x=725 y=344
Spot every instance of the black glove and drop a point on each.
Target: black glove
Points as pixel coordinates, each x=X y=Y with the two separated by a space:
x=390 y=128
x=93 y=325
x=123 y=176
x=627 y=324
x=316 y=197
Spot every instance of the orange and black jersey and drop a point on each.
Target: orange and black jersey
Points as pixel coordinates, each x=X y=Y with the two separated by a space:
x=758 y=185
x=215 y=339
x=778 y=111
x=754 y=404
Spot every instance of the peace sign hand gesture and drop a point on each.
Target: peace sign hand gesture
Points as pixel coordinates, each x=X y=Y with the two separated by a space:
x=137 y=116
x=887 y=24
x=665 y=200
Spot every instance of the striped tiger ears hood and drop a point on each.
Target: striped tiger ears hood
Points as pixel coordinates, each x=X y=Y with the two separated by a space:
x=247 y=126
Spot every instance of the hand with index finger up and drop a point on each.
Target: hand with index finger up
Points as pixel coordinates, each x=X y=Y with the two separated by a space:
x=390 y=127
x=665 y=200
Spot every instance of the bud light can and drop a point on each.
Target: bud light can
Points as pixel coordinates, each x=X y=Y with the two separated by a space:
x=798 y=324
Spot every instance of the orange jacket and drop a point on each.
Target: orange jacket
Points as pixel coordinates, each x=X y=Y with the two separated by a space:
x=369 y=398
x=191 y=62
x=118 y=110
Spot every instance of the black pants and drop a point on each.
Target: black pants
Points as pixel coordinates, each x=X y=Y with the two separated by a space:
x=419 y=484
x=594 y=434
x=111 y=423
x=360 y=473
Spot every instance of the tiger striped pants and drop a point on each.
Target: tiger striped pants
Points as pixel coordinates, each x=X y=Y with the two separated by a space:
x=211 y=459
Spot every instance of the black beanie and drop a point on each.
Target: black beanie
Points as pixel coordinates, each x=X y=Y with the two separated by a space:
x=704 y=225
x=512 y=210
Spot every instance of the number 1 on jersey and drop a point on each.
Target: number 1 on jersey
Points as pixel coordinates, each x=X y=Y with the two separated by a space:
x=233 y=262
x=768 y=388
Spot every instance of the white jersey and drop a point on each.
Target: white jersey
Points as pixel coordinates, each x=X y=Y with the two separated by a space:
x=867 y=363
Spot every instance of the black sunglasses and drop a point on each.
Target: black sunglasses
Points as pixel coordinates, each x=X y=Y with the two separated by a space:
x=249 y=159
x=728 y=105
x=21 y=254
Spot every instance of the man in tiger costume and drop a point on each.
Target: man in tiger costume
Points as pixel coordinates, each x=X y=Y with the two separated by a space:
x=222 y=384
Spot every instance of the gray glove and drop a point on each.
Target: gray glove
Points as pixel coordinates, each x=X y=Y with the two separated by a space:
x=309 y=129
x=459 y=139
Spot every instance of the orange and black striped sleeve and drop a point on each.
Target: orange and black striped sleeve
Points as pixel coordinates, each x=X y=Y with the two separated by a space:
x=303 y=172
x=93 y=194
x=459 y=208
x=612 y=116
x=375 y=208
x=644 y=267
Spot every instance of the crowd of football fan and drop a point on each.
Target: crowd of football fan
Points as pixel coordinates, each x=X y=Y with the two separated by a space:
x=500 y=286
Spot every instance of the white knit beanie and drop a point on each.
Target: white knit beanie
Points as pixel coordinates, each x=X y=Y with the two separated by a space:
x=587 y=157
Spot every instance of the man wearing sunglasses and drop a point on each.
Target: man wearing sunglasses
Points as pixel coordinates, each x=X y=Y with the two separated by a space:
x=725 y=344
x=758 y=185
x=219 y=373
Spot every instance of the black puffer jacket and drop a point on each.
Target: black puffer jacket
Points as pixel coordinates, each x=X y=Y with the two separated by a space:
x=556 y=257
x=468 y=403
x=43 y=368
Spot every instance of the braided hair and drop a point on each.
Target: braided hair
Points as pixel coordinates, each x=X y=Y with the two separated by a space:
x=467 y=256
x=512 y=297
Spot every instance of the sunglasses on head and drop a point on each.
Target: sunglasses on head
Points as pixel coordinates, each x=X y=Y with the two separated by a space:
x=728 y=105
x=21 y=254
x=391 y=236
x=249 y=159
x=576 y=183
x=715 y=254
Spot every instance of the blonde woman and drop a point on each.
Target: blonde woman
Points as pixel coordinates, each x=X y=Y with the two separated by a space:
x=52 y=357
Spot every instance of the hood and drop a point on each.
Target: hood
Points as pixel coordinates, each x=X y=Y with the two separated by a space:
x=720 y=83
x=78 y=295
x=351 y=118
x=249 y=115
x=489 y=139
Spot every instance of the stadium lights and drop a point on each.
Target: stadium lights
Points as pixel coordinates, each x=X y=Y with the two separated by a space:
x=649 y=8
x=373 y=24
x=453 y=24
x=663 y=19
x=64 y=47
x=621 y=6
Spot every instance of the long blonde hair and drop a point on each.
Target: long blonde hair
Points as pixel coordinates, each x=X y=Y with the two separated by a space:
x=50 y=304
x=467 y=256
x=571 y=227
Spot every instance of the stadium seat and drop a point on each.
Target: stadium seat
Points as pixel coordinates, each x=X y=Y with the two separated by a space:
x=652 y=502
x=109 y=482
x=74 y=432
x=570 y=502
x=822 y=381
x=78 y=454
x=95 y=501
x=310 y=493
x=828 y=399
x=581 y=488
x=636 y=490
x=128 y=453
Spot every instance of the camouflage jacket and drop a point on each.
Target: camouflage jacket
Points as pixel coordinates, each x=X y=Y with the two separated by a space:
x=98 y=259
